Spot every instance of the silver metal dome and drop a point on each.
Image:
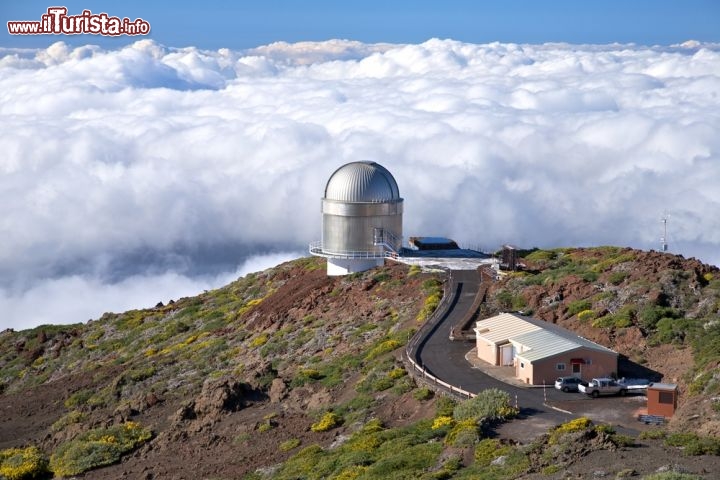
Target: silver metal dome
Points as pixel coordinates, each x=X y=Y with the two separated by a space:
x=362 y=218
x=363 y=182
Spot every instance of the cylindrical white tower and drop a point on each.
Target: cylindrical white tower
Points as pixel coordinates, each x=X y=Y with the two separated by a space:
x=362 y=218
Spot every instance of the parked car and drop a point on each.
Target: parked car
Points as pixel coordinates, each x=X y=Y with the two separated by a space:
x=567 y=384
x=635 y=385
x=602 y=386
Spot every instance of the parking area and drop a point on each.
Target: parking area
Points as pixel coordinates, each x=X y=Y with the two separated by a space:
x=614 y=410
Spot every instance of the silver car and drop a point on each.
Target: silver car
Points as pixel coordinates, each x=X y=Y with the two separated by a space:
x=567 y=384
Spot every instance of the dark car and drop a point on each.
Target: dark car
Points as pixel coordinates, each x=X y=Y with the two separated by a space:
x=567 y=384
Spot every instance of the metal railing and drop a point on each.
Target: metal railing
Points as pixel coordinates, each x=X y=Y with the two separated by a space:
x=316 y=248
x=417 y=370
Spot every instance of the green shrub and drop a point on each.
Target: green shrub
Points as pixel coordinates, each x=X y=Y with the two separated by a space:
x=504 y=299
x=541 y=255
x=464 y=433
x=414 y=270
x=327 y=422
x=78 y=398
x=614 y=259
x=288 y=445
x=508 y=301
x=488 y=449
x=382 y=383
x=139 y=374
x=590 y=277
x=433 y=290
x=408 y=463
x=623 y=318
x=383 y=347
x=605 y=428
x=22 y=463
x=606 y=321
x=491 y=404
x=616 y=278
x=671 y=330
x=650 y=315
x=444 y=406
x=310 y=373
x=381 y=277
x=431 y=284
x=403 y=385
x=265 y=426
x=422 y=394
x=693 y=444
x=373 y=426
x=586 y=315
x=69 y=418
x=578 y=306
x=626 y=473
x=430 y=305
x=96 y=448
x=551 y=469
x=622 y=440
x=671 y=476
x=259 y=341
x=576 y=425
x=699 y=383
x=654 y=434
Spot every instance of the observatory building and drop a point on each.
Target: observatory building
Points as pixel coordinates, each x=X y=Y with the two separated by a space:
x=362 y=219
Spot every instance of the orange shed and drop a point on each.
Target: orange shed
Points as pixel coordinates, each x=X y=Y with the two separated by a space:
x=662 y=399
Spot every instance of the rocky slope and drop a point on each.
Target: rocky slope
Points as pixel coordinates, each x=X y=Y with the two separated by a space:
x=235 y=381
x=660 y=311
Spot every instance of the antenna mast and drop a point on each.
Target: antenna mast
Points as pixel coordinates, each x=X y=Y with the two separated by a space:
x=663 y=239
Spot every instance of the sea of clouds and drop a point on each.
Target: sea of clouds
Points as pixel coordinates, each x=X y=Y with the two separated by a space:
x=138 y=175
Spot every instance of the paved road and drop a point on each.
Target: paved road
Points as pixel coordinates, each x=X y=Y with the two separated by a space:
x=446 y=360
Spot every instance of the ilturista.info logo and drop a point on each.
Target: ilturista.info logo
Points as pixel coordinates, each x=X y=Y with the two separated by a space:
x=57 y=22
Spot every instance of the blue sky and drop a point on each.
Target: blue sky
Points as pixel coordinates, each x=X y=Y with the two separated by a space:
x=213 y=24
x=132 y=175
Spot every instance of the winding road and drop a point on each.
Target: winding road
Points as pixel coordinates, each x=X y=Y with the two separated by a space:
x=445 y=359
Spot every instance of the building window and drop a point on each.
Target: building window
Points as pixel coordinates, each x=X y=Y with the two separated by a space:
x=522 y=365
x=560 y=366
x=588 y=361
x=666 y=398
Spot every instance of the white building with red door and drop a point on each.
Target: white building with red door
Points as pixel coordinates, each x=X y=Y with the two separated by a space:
x=540 y=351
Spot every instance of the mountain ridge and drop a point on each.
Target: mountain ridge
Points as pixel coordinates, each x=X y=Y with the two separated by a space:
x=243 y=369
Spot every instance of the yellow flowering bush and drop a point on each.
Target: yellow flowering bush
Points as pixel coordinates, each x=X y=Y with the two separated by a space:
x=576 y=425
x=441 y=422
x=328 y=421
x=97 y=447
x=22 y=463
x=383 y=347
x=260 y=340
x=351 y=473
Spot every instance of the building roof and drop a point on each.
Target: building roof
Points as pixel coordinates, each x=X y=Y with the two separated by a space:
x=500 y=328
x=364 y=182
x=663 y=386
x=539 y=339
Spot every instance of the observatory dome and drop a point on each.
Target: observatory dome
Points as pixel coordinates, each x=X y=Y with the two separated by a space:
x=362 y=182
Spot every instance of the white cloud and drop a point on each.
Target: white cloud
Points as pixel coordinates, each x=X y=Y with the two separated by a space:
x=152 y=164
x=78 y=298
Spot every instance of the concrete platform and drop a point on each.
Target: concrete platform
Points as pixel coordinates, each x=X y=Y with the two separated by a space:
x=455 y=259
